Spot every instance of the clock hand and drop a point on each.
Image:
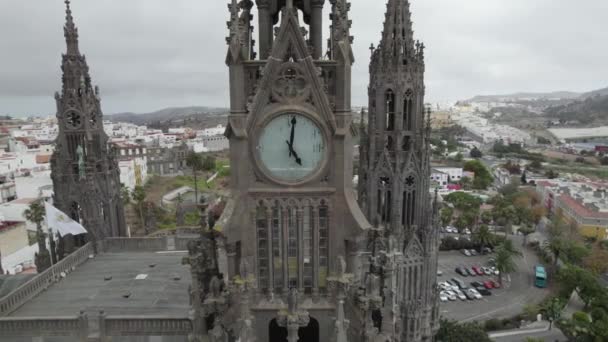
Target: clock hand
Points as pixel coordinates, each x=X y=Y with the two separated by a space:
x=292 y=136
x=293 y=152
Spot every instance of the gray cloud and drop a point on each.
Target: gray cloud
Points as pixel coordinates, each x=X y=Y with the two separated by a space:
x=149 y=54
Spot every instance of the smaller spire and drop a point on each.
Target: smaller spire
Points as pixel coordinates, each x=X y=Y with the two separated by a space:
x=70 y=31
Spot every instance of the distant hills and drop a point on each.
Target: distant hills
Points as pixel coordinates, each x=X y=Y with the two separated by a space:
x=516 y=97
x=588 y=109
x=173 y=116
x=576 y=108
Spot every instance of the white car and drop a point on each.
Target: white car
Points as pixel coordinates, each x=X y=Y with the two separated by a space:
x=461 y=295
x=467 y=231
x=443 y=297
x=494 y=270
x=474 y=293
x=451 y=295
x=439 y=273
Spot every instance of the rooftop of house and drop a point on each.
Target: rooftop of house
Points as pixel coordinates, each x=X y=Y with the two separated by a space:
x=131 y=284
x=581 y=209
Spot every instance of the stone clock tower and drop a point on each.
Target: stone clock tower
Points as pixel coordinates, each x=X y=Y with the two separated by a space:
x=293 y=257
x=294 y=210
x=86 y=178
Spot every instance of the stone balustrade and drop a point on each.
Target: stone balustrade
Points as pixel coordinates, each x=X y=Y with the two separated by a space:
x=147 y=326
x=42 y=281
x=144 y=244
x=43 y=326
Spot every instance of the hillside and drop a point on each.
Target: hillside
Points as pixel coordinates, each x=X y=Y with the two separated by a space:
x=588 y=110
x=516 y=97
x=170 y=117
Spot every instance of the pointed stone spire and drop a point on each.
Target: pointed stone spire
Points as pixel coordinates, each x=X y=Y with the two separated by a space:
x=398 y=36
x=71 y=31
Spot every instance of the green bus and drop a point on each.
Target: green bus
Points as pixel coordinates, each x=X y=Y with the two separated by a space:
x=541 y=277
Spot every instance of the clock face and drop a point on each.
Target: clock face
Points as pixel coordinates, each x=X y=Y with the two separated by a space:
x=291 y=147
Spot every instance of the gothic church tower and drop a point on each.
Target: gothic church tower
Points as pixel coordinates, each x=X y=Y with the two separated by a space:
x=86 y=177
x=394 y=175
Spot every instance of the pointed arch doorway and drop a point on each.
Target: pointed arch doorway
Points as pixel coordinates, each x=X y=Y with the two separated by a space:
x=309 y=333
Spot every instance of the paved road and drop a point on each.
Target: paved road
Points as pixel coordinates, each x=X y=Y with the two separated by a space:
x=504 y=303
x=548 y=336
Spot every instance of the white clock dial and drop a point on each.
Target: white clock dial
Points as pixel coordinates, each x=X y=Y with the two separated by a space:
x=291 y=147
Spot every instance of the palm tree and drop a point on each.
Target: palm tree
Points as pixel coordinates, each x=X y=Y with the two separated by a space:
x=36 y=213
x=555 y=246
x=553 y=311
x=139 y=196
x=510 y=248
x=483 y=237
x=195 y=162
x=504 y=264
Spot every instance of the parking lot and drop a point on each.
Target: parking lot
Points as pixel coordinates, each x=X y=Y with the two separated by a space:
x=517 y=292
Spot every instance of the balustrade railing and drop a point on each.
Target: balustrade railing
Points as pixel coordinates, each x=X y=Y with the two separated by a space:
x=42 y=281
x=144 y=244
x=43 y=326
x=147 y=326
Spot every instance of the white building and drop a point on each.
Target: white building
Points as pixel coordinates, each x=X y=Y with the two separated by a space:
x=133 y=172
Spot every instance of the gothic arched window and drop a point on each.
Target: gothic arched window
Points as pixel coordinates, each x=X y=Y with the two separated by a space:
x=390 y=110
x=277 y=255
x=408 y=110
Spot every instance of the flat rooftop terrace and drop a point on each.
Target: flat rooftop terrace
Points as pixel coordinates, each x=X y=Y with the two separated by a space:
x=141 y=284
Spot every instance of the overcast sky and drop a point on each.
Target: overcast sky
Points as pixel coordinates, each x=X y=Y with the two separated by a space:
x=150 y=54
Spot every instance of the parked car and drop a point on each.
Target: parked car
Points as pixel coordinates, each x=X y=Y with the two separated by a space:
x=487 y=271
x=477 y=284
x=439 y=273
x=470 y=272
x=467 y=231
x=451 y=295
x=478 y=270
x=466 y=252
x=488 y=285
x=469 y=295
x=474 y=293
x=484 y=292
x=495 y=284
x=492 y=262
x=460 y=283
x=443 y=296
x=462 y=271
x=473 y=252
x=461 y=295
x=486 y=250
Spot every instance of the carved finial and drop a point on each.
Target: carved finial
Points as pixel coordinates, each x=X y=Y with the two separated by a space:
x=70 y=31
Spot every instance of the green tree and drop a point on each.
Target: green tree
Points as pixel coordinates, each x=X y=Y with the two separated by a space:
x=483 y=237
x=446 y=216
x=139 y=197
x=35 y=213
x=451 y=331
x=476 y=153
x=463 y=201
x=483 y=177
x=525 y=231
x=125 y=194
x=554 y=247
x=486 y=217
x=208 y=163
x=553 y=310
x=195 y=162
x=505 y=262
x=459 y=157
x=466 y=183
